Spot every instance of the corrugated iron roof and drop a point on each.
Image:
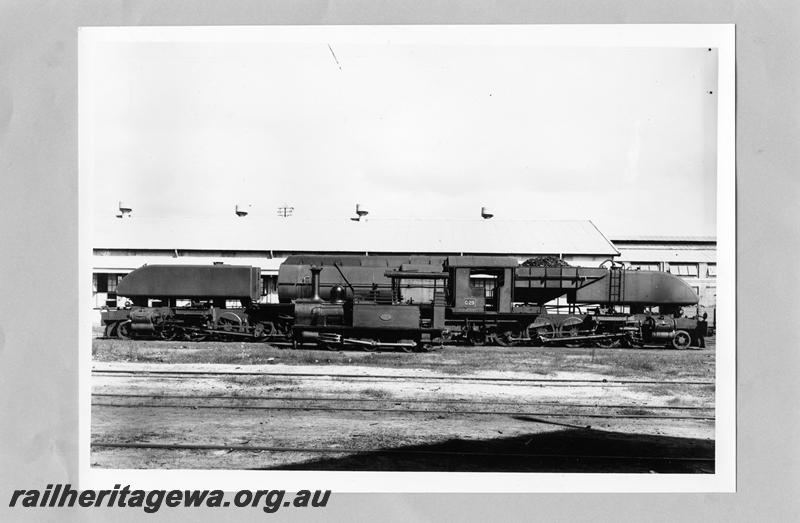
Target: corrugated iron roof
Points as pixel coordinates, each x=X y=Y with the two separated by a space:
x=369 y=235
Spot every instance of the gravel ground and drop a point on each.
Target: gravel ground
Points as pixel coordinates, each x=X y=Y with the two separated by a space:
x=535 y=429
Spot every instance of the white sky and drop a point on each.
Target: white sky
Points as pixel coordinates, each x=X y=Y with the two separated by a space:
x=625 y=137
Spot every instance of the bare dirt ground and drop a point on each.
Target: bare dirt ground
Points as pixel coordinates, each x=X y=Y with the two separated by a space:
x=458 y=409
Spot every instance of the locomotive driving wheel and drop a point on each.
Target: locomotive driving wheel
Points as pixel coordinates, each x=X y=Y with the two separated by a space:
x=331 y=342
x=228 y=325
x=570 y=328
x=541 y=328
x=124 y=330
x=264 y=330
x=197 y=335
x=326 y=345
x=608 y=343
x=408 y=348
x=477 y=337
x=505 y=338
x=681 y=340
x=169 y=332
x=111 y=330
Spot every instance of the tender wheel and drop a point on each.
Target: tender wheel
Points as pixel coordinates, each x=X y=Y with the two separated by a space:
x=124 y=330
x=682 y=340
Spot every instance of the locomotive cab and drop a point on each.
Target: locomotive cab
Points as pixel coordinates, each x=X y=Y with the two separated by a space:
x=480 y=284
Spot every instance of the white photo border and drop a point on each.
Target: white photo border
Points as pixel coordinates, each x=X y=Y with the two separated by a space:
x=719 y=36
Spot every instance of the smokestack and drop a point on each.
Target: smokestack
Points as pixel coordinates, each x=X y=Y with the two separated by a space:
x=315 y=282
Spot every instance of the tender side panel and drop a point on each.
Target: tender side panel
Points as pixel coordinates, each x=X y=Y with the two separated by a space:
x=192 y=281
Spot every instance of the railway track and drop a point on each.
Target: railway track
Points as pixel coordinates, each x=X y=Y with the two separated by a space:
x=392 y=377
x=393 y=400
x=632 y=411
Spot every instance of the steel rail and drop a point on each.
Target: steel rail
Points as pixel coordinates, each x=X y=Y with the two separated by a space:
x=393 y=377
x=394 y=400
x=408 y=411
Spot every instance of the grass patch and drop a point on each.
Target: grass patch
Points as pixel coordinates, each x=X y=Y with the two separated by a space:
x=451 y=360
x=643 y=365
x=452 y=368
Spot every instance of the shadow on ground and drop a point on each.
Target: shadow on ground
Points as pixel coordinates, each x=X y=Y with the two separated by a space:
x=567 y=450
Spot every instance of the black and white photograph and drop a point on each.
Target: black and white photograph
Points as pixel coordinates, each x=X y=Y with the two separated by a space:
x=409 y=257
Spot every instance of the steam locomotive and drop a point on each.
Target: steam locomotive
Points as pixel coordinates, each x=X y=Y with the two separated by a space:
x=407 y=303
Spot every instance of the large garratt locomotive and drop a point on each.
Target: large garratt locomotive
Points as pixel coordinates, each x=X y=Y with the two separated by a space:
x=407 y=303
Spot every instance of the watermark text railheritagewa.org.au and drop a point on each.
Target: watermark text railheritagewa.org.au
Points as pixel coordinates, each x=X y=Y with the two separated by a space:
x=58 y=496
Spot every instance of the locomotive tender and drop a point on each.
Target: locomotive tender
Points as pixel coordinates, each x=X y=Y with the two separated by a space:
x=407 y=302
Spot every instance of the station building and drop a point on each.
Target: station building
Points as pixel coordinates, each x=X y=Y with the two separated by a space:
x=122 y=245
